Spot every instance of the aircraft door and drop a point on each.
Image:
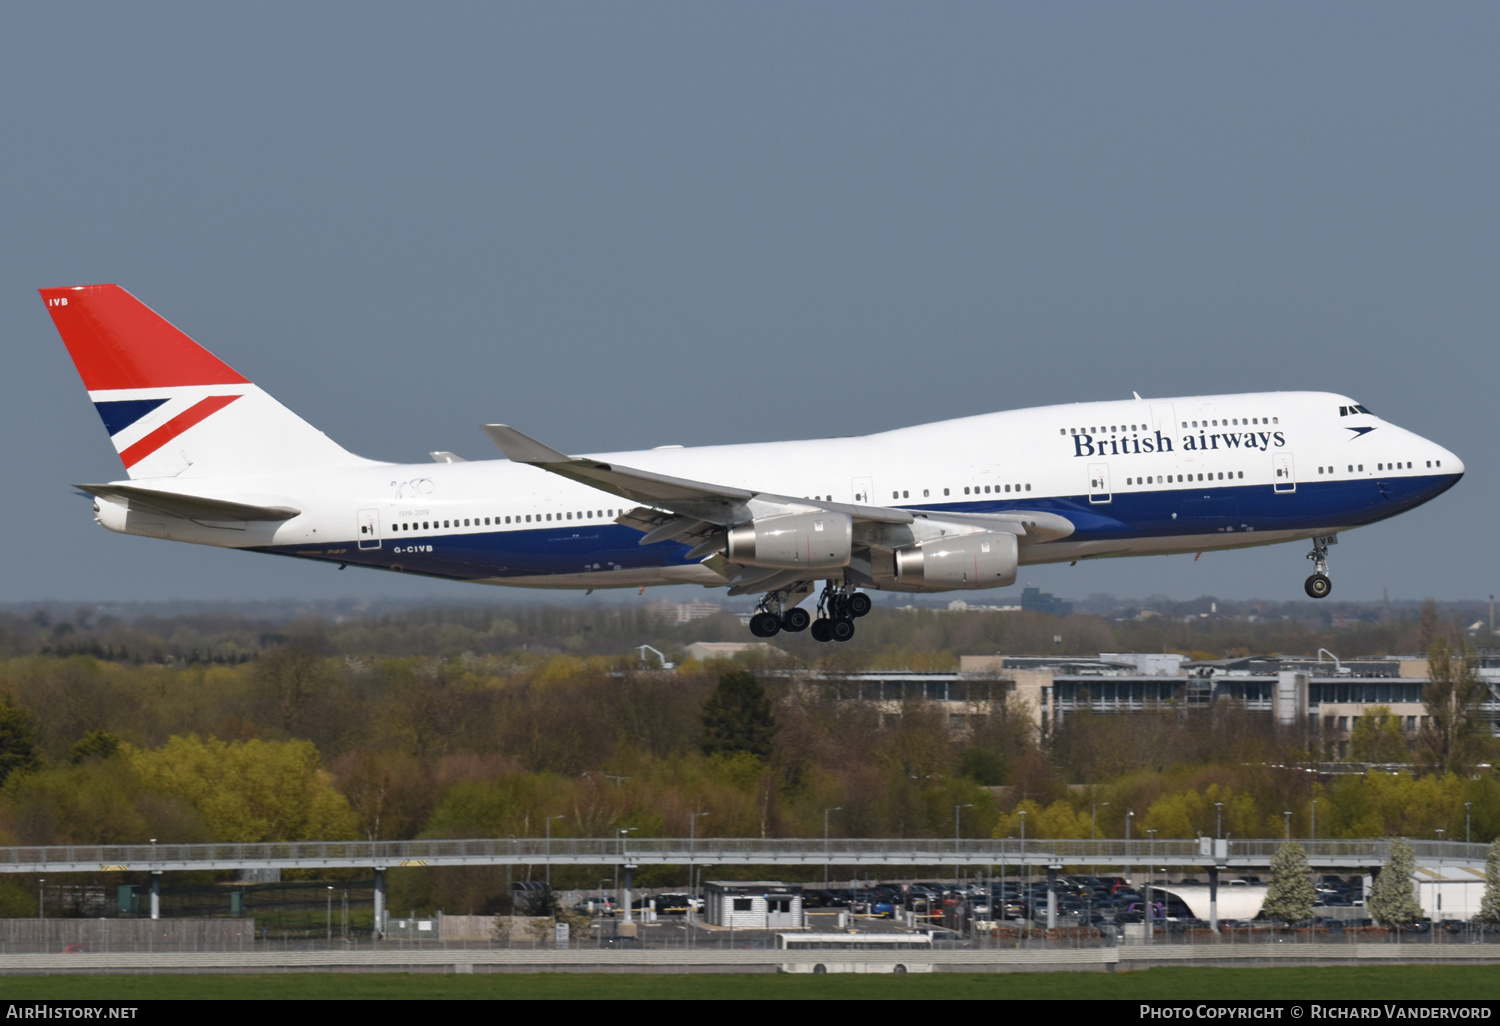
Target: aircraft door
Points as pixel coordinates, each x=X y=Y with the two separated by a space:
x=863 y=487
x=1282 y=480
x=369 y=528
x=1099 y=483
x=1162 y=419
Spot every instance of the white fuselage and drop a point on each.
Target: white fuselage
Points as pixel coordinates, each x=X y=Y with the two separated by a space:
x=1133 y=477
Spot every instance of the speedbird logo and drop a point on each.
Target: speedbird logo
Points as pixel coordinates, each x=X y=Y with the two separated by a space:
x=1085 y=445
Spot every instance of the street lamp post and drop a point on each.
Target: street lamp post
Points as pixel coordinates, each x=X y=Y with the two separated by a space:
x=1312 y=829
x=1218 y=820
x=1150 y=879
x=1093 y=830
x=625 y=897
x=330 y=915
x=957 y=867
x=957 y=810
x=1467 y=838
x=692 y=849
x=1288 y=815
x=548 y=849
x=827 y=869
x=1024 y=868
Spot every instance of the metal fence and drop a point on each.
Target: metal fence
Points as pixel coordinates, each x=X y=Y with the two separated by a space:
x=709 y=851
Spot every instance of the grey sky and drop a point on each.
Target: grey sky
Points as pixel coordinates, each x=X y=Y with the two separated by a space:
x=625 y=225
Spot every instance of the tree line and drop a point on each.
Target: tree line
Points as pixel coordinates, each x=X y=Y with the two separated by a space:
x=313 y=737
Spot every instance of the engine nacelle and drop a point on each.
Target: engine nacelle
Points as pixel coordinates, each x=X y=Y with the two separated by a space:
x=794 y=541
x=986 y=560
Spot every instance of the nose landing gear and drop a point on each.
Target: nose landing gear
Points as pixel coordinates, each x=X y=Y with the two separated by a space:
x=1319 y=585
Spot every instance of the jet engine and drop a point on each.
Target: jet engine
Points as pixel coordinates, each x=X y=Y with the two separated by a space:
x=794 y=541
x=985 y=560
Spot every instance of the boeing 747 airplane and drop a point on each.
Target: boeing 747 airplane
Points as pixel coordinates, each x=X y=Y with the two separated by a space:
x=959 y=504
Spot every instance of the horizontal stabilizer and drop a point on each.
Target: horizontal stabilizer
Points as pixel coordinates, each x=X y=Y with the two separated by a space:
x=188 y=507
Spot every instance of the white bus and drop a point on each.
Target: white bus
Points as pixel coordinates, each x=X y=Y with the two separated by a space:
x=856 y=952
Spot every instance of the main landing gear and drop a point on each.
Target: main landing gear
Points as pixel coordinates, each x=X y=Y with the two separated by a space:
x=778 y=614
x=838 y=607
x=1318 y=585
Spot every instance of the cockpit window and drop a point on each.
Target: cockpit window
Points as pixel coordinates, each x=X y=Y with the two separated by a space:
x=1345 y=411
x=1361 y=409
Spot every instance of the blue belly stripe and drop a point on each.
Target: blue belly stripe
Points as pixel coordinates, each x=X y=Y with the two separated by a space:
x=1143 y=513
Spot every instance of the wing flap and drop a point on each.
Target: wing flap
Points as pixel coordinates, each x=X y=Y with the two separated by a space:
x=1032 y=525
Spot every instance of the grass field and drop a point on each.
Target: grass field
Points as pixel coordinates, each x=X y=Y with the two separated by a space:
x=1339 y=983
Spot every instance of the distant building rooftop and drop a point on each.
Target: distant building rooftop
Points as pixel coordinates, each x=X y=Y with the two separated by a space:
x=703 y=651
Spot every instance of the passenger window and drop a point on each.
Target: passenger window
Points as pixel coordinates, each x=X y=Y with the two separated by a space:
x=945 y=491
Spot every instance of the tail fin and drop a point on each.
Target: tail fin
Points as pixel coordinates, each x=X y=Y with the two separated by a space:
x=171 y=407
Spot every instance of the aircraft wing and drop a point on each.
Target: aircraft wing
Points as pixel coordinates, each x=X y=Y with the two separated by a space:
x=187 y=507
x=702 y=501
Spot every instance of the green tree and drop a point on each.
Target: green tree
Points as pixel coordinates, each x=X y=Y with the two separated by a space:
x=18 y=740
x=737 y=717
x=1453 y=739
x=1489 y=907
x=1377 y=737
x=1393 y=900
x=249 y=790
x=96 y=744
x=1291 y=894
x=292 y=675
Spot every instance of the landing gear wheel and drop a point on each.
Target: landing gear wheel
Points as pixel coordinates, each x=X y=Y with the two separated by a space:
x=1318 y=586
x=765 y=625
x=795 y=620
x=841 y=629
x=859 y=604
x=822 y=630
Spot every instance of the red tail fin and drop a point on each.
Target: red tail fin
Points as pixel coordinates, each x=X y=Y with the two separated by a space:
x=117 y=341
